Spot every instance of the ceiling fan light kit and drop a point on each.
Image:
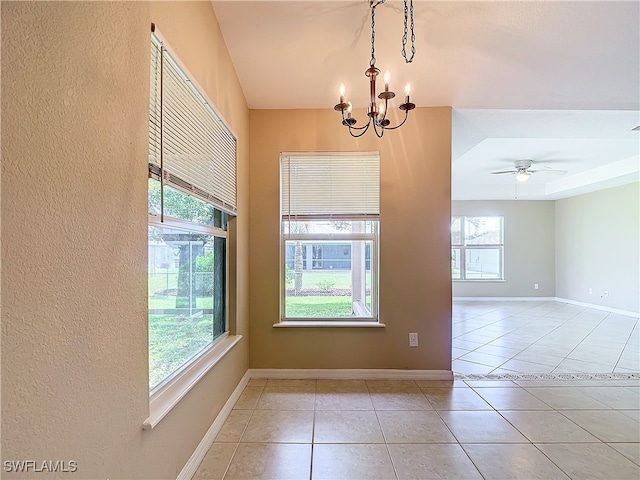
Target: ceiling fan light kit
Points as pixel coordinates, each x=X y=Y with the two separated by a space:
x=377 y=113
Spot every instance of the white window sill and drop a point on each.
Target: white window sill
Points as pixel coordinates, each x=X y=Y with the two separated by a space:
x=486 y=280
x=327 y=323
x=162 y=401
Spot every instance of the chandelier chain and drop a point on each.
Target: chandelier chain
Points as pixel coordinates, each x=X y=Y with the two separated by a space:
x=413 y=35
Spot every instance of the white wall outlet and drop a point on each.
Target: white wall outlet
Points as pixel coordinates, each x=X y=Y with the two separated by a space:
x=591 y=291
x=605 y=294
x=413 y=339
x=535 y=285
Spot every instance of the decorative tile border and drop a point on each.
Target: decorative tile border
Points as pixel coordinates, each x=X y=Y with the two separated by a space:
x=548 y=376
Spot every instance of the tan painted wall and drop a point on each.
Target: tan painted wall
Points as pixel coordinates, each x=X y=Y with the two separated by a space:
x=415 y=286
x=529 y=248
x=597 y=247
x=75 y=81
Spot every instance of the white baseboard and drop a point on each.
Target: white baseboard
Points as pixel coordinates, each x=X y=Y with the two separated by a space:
x=191 y=467
x=628 y=313
x=351 y=374
x=506 y=299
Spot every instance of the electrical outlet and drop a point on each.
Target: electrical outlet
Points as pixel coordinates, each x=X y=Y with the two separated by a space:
x=605 y=294
x=535 y=285
x=591 y=291
x=413 y=339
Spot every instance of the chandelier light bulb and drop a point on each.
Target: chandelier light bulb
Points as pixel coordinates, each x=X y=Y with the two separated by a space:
x=407 y=91
x=342 y=93
x=381 y=110
x=349 y=108
x=387 y=77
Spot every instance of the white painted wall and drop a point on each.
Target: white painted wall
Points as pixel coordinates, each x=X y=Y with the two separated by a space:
x=529 y=243
x=75 y=89
x=597 y=247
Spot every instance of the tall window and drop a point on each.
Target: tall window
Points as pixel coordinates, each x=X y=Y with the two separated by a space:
x=330 y=210
x=477 y=248
x=192 y=195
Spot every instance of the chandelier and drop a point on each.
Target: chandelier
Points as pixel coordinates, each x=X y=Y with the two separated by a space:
x=377 y=113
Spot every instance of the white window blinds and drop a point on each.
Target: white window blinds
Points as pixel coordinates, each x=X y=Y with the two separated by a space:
x=198 y=151
x=330 y=185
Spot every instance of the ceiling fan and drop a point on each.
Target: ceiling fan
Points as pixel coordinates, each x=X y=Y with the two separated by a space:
x=522 y=170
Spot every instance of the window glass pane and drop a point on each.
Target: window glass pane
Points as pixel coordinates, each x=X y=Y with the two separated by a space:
x=186 y=298
x=296 y=227
x=456 y=230
x=482 y=263
x=455 y=263
x=328 y=278
x=178 y=204
x=483 y=230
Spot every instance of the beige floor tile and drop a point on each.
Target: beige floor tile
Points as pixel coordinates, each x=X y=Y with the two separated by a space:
x=234 y=426
x=414 y=427
x=270 y=461
x=615 y=397
x=291 y=382
x=299 y=397
x=441 y=384
x=347 y=427
x=400 y=401
x=484 y=359
x=248 y=398
x=455 y=399
x=481 y=427
x=491 y=383
x=547 y=427
x=591 y=460
x=444 y=462
x=629 y=450
x=566 y=398
x=634 y=414
x=279 y=426
x=607 y=425
x=343 y=401
x=404 y=386
x=461 y=366
x=257 y=382
x=349 y=462
x=341 y=386
x=215 y=463
x=511 y=399
x=526 y=367
x=513 y=461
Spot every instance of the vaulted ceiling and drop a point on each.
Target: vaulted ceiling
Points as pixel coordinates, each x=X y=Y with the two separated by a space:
x=556 y=82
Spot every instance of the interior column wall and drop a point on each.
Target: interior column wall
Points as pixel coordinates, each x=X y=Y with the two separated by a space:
x=415 y=209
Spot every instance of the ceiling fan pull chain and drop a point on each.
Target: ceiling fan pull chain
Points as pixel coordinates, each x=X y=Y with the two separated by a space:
x=413 y=35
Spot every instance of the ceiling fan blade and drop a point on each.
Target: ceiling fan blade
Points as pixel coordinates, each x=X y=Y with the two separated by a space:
x=504 y=171
x=551 y=171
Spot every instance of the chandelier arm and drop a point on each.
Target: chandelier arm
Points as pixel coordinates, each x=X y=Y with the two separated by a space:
x=406 y=115
x=364 y=130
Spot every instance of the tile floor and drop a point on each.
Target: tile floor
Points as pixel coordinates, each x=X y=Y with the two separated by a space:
x=542 y=337
x=472 y=428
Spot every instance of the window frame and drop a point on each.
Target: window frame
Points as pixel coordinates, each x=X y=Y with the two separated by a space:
x=362 y=204
x=175 y=386
x=463 y=246
x=319 y=237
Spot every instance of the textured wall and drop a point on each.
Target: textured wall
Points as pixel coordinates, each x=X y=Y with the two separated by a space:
x=598 y=235
x=415 y=285
x=529 y=248
x=75 y=80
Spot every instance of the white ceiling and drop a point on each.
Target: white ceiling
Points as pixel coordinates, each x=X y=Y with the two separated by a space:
x=555 y=82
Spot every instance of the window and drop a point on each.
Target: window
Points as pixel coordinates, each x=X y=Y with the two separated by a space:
x=330 y=210
x=477 y=247
x=192 y=197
